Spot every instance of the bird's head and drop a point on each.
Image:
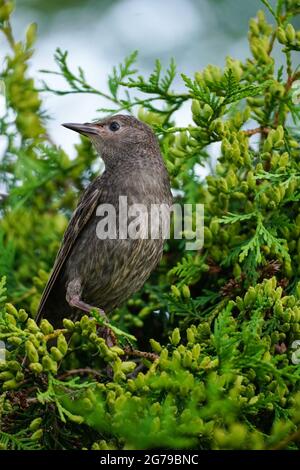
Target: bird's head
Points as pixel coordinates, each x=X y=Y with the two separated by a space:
x=117 y=137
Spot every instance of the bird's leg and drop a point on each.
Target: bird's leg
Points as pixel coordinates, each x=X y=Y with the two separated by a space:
x=75 y=301
x=73 y=298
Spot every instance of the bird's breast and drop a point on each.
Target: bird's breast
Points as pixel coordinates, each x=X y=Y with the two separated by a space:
x=123 y=241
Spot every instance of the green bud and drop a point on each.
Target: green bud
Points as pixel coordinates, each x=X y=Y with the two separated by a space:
x=32 y=326
x=281 y=35
x=84 y=322
x=49 y=364
x=207 y=111
x=56 y=354
x=250 y=297
x=175 y=338
x=62 y=344
x=175 y=292
x=288 y=268
x=218 y=126
x=116 y=349
x=37 y=435
x=186 y=291
x=278 y=308
x=19 y=376
x=15 y=340
x=205 y=363
x=10 y=385
x=196 y=351
x=6 y=375
x=253 y=400
x=270 y=286
x=35 y=424
x=76 y=419
x=14 y=366
x=36 y=367
x=170 y=167
x=290 y=33
x=214 y=226
x=11 y=309
x=177 y=152
x=190 y=335
x=46 y=327
x=187 y=359
x=196 y=108
x=6 y=10
x=199 y=78
x=31 y=351
x=11 y=319
x=23 y=316
x=183 y=139
x=254 y=27
x=267 y=356
x=283 y=160
x=207 y=237
x=251 y=180
x=155 y=346
x=31 y=35
x=128 y=366
x=68 y=324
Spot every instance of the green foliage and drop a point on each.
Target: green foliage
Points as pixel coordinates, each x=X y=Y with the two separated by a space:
x=221 y=322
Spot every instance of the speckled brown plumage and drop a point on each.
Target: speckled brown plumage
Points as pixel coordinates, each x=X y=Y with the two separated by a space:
x=104 y=273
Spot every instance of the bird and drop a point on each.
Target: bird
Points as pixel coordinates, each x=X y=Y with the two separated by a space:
x=92 y=272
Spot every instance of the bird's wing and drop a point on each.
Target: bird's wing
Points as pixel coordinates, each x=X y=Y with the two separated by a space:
x=80 y=217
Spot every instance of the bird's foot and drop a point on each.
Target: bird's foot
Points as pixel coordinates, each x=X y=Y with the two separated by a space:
x=106 y=332
x=75 y=301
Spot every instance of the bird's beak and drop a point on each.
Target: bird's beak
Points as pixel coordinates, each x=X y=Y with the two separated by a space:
x=85 y=129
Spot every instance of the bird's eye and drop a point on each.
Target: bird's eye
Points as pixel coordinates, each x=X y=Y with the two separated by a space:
x=114 y=126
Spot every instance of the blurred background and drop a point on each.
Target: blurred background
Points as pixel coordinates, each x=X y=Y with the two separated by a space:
x=100 y=33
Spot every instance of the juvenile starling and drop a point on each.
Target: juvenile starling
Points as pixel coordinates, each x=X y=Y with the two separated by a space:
x=90 y=272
